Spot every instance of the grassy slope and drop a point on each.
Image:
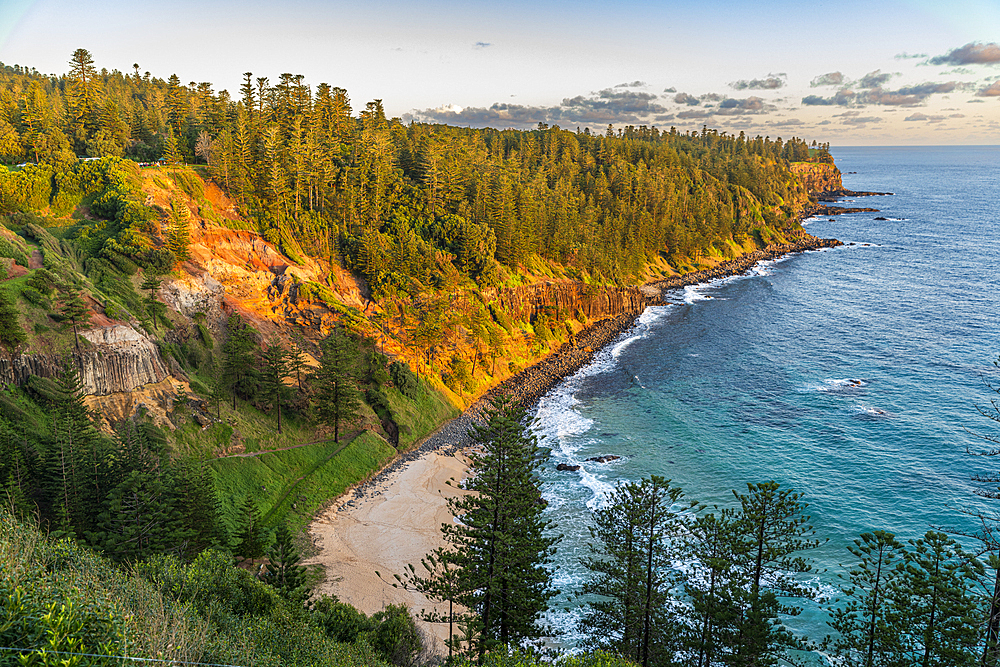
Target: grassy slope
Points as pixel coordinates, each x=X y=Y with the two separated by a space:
x=299 y=481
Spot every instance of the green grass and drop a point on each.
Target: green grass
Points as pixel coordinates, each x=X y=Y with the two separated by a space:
x=254 y=429
x=418 y=417
x=297 y=482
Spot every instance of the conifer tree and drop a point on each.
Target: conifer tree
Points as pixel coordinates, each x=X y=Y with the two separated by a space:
x=866 y=635
x=337 y=395
x=12 y=334
x=933 y=608
x=774 y=530
x=154 y=308
x=239 y=371
x=631 y=570
x=75 y=310
x=140 y=519
x=251 y=538
x=179 y=233
x=503 y=546
x=274 y=371
x=283 y=570
x=171 y=150
x=715 y=587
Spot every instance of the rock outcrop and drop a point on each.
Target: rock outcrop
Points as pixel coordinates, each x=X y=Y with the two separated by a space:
x=118 y=359
x=817 y=177
x=525 y=303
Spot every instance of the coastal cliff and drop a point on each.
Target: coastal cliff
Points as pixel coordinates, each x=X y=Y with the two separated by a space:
x=817 y=177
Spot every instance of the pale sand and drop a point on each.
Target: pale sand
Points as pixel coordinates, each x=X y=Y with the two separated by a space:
x=397 y=522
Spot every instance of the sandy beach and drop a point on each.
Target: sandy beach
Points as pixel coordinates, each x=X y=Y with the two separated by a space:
x=396 y=521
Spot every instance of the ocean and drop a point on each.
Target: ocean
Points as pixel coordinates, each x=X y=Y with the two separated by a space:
x=851 y=375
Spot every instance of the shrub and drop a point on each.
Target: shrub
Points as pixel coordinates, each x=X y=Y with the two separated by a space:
x=206 y=336
x=115 y=311
x=33 y=296
x=377 y=399
x=404 y=379
x=341 y=622
x=395 y=637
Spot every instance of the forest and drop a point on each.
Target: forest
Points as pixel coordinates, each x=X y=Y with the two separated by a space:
x=415 y=207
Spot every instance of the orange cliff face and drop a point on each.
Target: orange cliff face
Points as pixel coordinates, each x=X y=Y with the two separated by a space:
x=233 y=270
x=817 y=177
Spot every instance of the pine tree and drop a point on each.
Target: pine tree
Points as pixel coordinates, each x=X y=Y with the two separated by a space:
x=75 y=310
x=337 y=396
x=274 y=370
x=865 y=634
x=503 y=547
x=140 y=518
x=637 y=531
x=933 y=607
x=251 y=538
x=171 y=150
x=774 y=530
x=715 y=587
x=12 y=334
x=283 y=570
x=239 y=371
x=179 y=233
x=154 y=308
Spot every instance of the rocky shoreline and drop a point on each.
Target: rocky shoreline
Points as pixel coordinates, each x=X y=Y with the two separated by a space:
x=740 y=265
x=529 y=385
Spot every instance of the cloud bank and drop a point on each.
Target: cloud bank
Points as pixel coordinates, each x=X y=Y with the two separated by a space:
x=973 y=53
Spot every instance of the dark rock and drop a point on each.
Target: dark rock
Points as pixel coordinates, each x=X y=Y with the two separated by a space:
x=604 y=459
x=880 y=218
x=567 y=467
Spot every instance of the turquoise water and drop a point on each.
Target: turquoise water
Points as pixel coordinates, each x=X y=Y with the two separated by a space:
x=848 y=374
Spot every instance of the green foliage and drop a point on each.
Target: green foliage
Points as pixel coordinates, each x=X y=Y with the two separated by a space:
x=205 y=335
x=239 y=371
x=395 y=636
x=340 y=621
x=502 y=547
x=337 y=396
x=8 y=249
x=632 y=614
x=12 y=335
x=404 y=379
x=519 y=657
x=250 y=533
x=283 y=570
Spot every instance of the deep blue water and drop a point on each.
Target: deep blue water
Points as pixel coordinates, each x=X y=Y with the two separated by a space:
x=850 y=375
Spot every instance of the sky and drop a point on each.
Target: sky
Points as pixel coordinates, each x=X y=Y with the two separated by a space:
x=876 y=72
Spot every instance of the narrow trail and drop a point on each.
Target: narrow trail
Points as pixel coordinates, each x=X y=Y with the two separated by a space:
x=280 y=449
x=306 y=474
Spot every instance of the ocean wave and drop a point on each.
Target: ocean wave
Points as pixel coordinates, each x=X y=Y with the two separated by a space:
x=641 y=329
x=869 y=412
x=693 y=293
x=833 y=385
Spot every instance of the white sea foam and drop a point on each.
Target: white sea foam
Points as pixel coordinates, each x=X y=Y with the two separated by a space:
x=869 y=412
x=832 y=384
x=558 y=421
x=694 y=293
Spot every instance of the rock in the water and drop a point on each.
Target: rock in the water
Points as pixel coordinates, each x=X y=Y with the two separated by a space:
x=567 y=467
x=604 y=459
